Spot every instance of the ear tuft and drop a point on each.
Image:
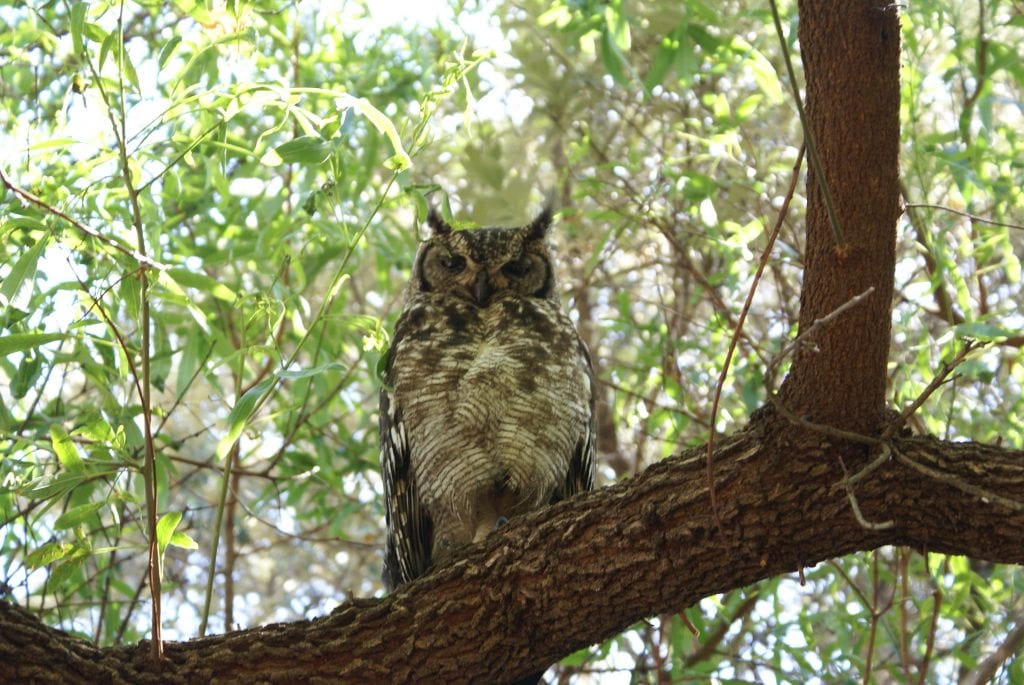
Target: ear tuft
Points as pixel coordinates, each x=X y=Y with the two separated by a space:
x=438 y=225
x=538 y=228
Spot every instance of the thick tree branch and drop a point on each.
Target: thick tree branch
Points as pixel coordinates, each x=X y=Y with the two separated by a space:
x=583 y=570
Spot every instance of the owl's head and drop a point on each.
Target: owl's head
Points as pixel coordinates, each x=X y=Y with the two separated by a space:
x=484 y=264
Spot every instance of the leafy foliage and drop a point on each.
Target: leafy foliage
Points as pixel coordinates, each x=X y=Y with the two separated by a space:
x=210 y=209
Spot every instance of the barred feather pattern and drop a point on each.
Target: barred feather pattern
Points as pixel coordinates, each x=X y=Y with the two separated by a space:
x=488 y=408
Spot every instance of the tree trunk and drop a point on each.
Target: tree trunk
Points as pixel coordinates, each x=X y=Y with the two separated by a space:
x=851 y=60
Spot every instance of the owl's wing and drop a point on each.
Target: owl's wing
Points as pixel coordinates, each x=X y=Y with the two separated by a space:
x=580 y=477
x=407 y=552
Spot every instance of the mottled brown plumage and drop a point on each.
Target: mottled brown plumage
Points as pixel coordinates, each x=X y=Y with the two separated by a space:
x=488 y=406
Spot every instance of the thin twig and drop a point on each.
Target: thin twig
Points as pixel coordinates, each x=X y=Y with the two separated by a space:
x=985 y=671
x=91 y=232
x=948 y=479
x=937 y=598
x=864 y=523
x=713 y=640
x=817 y=325
x=738 y=328
x=883 y=456
x=770 y=370
x=812 y=330
x=940 y=378
x=119 y=128
x=823 y=428
x=972 y=217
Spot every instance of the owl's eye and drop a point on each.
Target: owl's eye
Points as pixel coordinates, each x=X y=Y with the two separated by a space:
x=452 y=263
x=516 y=269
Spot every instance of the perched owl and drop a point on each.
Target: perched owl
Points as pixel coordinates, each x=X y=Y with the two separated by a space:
x=488 y=404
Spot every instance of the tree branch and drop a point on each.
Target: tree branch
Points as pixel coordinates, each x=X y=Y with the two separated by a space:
x=578 y=572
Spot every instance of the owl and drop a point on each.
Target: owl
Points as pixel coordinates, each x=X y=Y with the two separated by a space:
x=487 y=409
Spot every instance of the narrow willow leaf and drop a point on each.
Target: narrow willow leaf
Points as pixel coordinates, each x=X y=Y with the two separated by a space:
x=664 y=58
x=305 y=373
x=24 y=270
x=558 y=14
x=191 y=279
x=45 y=488
x=25 y=222
x=271 y=158
x=47 y=144
x=240 y=414
x=47 y=554
x=183 y=540
x=618 y=27
x=108 y=42
x=165 y=280
x=304 y=150
x=165 y=529
x=76 y=515
x=383 y=124
x=66 y=451
x=167 y=50
x=188 y=362
x=77 y=26
x=612 y=59
x=63 y=572
x=766 y=77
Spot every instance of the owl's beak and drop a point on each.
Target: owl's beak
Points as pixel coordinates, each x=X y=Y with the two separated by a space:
x=482 y=289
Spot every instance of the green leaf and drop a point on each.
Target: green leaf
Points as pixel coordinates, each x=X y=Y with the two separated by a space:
x=96 y=429
x=23 y=270
x=47 y=554
x=47 y=144
x=613 y=60
x=980 y=330
x=130 y=292
x=127 y=68
x=662 y=62
x=765 y=77
x=305 y=373
x=400 y=160
x=26 y=222
x=48 y=487
x=240 y=414
x=165 y=529
x=304 y=150
x=95 y=32
x=165 y=279
x=557 y=14
x=65 y=449
x=20 y=342
x=78 y=11
x=617 y=26
x=167 y=50
x=62 y=573
x=191 y=279
x=108 y=42
x=189 y=362
x=28 y=373
x=183 y=540
x=77 y=515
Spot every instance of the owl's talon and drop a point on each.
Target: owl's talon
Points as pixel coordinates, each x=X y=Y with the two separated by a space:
x=502 y=520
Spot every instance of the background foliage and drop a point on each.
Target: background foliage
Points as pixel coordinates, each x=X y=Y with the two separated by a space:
x=272 y=160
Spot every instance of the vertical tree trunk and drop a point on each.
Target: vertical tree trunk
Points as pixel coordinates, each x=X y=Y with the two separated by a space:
x=851 y=61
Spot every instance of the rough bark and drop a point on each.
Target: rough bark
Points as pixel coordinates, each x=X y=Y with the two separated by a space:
x=851 y=57
x=588 y=568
